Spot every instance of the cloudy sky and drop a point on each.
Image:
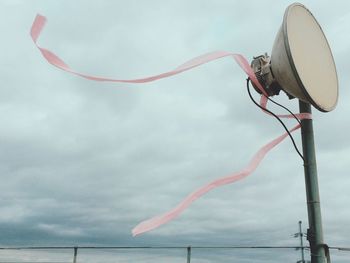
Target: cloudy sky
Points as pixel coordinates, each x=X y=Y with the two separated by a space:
x=83 y=162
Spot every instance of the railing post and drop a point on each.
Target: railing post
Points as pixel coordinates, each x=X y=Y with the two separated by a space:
x=75 y=254
x=189 y=254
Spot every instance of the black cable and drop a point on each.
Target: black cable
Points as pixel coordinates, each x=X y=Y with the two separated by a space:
x=273 y=114
x=295 y=117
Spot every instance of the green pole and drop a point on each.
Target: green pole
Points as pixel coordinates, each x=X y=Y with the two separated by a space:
x=315 y=233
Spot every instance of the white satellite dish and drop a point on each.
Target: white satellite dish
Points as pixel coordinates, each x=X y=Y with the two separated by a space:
x=301 y=62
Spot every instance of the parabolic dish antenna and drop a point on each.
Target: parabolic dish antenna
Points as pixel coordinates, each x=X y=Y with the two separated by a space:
x=301 y=61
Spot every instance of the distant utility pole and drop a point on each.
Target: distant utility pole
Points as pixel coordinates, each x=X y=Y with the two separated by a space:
x=301 y=235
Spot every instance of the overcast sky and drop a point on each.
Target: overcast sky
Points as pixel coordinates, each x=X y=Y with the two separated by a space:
x=83 y=162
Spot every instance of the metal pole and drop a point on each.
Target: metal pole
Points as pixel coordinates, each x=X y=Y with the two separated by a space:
x=189 y=254
x=301 y=243
x=315 y=233
x=75 y=254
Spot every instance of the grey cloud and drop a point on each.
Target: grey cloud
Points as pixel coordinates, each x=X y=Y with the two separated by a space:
x=83 y=162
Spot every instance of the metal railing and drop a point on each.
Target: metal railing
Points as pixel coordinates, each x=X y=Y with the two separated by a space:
x=188 y=249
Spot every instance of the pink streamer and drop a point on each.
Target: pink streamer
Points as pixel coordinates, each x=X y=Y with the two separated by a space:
x=300 y=116
x=39 y=24
x=159 y=220
x=173 y=213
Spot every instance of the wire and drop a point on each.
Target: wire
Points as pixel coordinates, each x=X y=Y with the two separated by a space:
x=273 y=114
x=295 y=117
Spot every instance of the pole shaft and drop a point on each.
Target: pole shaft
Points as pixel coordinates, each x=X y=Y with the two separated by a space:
x=315 y=233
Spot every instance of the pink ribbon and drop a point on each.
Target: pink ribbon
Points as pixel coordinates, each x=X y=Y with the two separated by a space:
x=159 y=220
x=300 y=116
x=39 y=24
x=173 y=213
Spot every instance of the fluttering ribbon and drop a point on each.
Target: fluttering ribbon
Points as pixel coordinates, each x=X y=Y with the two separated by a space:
x=159 y=220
